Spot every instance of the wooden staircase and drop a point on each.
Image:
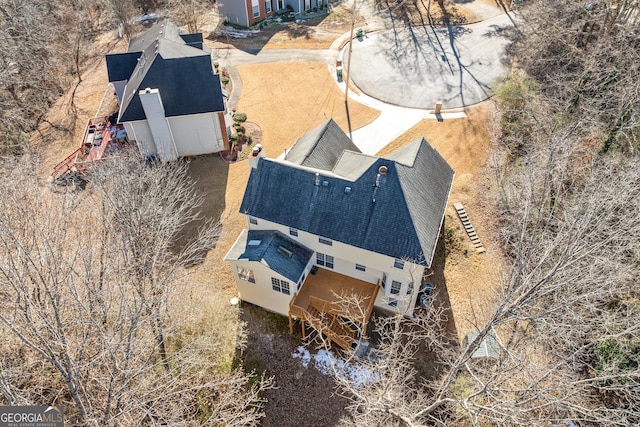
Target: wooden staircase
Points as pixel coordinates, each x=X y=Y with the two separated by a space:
x=319 y=315
x=471 y=232
x=330 y=326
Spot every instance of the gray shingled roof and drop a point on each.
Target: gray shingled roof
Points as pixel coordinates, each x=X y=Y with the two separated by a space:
x=400 y=218
x=266 y=249
x=161 y=58
x=321 y=147
x=488 y=349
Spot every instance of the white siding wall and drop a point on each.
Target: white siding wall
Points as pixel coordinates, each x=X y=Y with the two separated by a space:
x=140 y=132
x=261 y=293
x=196 y=134
x=345 y=259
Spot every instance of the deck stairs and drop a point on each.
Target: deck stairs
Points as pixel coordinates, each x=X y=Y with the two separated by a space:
x=330 y=326
x=471 y=232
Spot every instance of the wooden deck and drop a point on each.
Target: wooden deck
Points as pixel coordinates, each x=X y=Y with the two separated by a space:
x=99 y=137
x=337 y=296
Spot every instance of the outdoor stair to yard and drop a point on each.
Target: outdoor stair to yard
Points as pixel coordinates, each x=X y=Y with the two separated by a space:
x=471 y=232
x=331 y=326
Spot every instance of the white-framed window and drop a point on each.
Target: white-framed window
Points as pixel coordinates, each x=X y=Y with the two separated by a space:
x=324 y=260
x=253 y=221
x=280 y=286
x=393 y=302
x=325 y=241
x=361 y=267
x=293 y=232
x=256 y=11
x=398 y=263
x=395 y=287
x=245 y=274
x=267 y=6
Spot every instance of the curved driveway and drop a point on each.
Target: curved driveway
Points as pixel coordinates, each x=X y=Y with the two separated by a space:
x=418 y=66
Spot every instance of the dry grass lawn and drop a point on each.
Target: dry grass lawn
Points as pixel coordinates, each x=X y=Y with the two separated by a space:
x=471 y=279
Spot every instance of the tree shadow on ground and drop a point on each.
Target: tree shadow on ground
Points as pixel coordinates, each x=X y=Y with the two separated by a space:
x=209 y=174
x=303 y=396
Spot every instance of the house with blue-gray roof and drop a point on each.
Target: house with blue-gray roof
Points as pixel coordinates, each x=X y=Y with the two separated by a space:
x=348 y=217
x=171 y=102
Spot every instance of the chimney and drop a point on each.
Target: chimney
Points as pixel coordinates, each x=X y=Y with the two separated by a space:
x=256 y=153
x=382 y=172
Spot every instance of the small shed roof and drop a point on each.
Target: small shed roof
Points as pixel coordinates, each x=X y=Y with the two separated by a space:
x=488 y=349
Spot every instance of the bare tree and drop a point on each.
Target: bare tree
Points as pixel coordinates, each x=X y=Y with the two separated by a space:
x=565 y=316
x=102 y=314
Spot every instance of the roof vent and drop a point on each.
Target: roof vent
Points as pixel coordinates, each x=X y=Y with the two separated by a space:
x=147 y=90
x=382 y=170
x=284 y=251
x=317 y=183
x=254 y=242
x=347 y=190
x=325 y=183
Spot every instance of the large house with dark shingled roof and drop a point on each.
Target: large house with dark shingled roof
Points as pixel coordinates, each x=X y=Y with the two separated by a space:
x=171 y=101
x=325 y=206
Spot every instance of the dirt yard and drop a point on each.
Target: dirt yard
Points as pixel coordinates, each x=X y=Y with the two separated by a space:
x=286 y=100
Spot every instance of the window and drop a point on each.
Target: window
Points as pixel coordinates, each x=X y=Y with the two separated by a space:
x=267 y=6
x=410 y=288
x=395 y=287
x=361 y=267
x=325 y=241
x=293 y=232
x=398 y=263
x=245 y=274
x=393 y=302
x=324 y=260
x=256 y=11
x=253 y=221
x=280 y=286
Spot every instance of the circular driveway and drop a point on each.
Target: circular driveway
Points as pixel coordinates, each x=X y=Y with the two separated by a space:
x=416 y=67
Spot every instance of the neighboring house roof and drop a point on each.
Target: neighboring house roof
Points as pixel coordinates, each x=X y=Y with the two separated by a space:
x=161 y=58
x=321 y=147
x=273 y=249
x=400 y=217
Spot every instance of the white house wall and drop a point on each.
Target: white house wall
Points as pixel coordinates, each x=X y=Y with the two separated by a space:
x=347 y=256
x=261 y=293
x=196 y=134
x=141 y=133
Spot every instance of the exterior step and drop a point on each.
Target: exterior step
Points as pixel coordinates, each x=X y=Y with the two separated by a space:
x=466 y=223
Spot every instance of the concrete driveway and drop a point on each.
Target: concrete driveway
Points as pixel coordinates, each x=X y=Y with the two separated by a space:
x=417 y=66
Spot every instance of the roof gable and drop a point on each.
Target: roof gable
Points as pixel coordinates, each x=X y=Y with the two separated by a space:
x=175 y=64
x=187 y=84
x=321 y=147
